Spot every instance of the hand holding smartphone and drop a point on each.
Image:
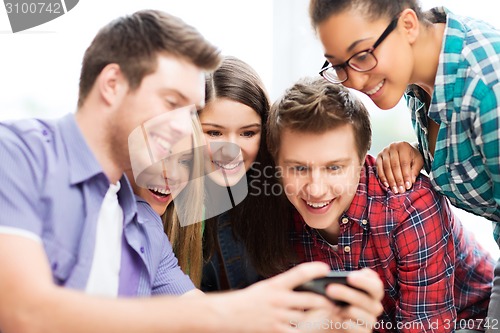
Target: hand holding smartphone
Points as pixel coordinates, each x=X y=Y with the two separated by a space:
x=319 y=285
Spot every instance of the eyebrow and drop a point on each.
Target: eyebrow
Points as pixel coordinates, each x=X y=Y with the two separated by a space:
x=349 y=49
x=337 y=161
x=244 y=127
x=187 y=155
x=183 y=97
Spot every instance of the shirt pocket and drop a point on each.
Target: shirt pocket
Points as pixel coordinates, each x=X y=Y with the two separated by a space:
x=62 y=261
x=466 y=171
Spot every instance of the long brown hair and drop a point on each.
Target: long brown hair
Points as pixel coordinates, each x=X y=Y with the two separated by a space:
x=187 y=237
x=237 y=81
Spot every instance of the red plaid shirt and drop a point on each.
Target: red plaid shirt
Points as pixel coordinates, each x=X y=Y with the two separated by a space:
x=437 y=278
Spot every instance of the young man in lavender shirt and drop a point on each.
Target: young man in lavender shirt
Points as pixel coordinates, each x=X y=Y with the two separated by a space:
x=62 y=270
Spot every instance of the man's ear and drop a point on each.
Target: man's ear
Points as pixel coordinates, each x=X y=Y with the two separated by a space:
x=112 y=84
x=411 y=24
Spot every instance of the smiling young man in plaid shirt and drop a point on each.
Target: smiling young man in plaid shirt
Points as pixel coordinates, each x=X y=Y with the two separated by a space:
x=437 y=278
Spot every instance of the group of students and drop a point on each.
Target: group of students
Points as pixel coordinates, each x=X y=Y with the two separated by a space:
x=207 y=216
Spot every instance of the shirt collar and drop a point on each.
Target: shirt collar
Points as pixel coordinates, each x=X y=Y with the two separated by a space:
x=369 y=188
x=127 y=200
x=450 y=60
x=82 y=163
x=358 y=210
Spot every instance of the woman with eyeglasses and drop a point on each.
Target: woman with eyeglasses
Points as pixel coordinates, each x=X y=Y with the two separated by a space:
x=448 y=68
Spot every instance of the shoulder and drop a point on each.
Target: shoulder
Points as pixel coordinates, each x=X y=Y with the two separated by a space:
x=479 y=43
x=421 y=193
x=26 y=133
x=145 y=213
x=30 y=143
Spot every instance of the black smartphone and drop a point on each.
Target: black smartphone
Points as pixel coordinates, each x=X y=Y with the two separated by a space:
x=319 y=285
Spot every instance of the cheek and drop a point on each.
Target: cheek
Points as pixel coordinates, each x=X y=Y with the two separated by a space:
x=183 y=178
x=346 y=186
x=250 y=149
x=291 y=186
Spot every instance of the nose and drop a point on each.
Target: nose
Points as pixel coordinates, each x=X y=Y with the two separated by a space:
x=356 y=80
x=230 y=150
x=225 y=151
x=170 y=171
x=316 y=187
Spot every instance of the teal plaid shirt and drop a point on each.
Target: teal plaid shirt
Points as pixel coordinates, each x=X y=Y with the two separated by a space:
x=465 y=104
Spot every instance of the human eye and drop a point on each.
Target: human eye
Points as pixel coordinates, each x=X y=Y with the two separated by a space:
x=186 y=161
x=298 y=169
x=361 y=57
x=248 y=134
x=334 y=169
x=172 y=103
x=337 y=67
x=213 y=133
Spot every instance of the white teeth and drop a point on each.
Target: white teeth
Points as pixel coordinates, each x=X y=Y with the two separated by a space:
x=163 y=191
x=229 y=166
x=318 y=204
x=377 y=88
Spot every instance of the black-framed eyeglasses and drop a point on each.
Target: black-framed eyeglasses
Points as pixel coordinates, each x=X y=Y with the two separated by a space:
x=362 y=61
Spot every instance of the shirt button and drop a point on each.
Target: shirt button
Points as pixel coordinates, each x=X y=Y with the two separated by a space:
x=142 y=249
x=347 y=249
x=345 y=220
x=364 y=222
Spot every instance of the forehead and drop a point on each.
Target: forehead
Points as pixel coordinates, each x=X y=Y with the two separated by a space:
x=335 y=143
x=229 y=111
x=340 y=31
x=177 y=76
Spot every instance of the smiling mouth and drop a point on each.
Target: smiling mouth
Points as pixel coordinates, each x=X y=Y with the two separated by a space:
x=376 y=89
x=161 y=192
x=227 y=166
x=318 y=205
x=160 y=141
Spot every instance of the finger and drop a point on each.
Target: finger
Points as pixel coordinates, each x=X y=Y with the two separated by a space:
x=355 y=298
x=369 y=281
x=309 y=301
x=395 y=162
x=299 y=274
x=418 y=163
x=406 y=160
x=357 y=319
x=379 y=162
x=386 y=166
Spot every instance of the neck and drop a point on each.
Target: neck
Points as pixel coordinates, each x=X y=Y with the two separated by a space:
x=93 y=125
x=331 y=239
x=426 y=56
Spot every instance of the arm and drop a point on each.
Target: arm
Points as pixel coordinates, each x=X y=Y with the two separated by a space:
x=398 y=165
x=425 y=257
x=487 y=134
x=31 y=304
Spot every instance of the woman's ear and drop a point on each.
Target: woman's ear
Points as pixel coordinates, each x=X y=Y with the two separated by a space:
x=410 y=24
x=111 y=84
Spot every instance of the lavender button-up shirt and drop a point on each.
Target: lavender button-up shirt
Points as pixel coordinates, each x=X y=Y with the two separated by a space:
x=51 y=190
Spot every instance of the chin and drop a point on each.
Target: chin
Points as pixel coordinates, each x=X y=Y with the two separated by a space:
x=386 y=105
x=229 y=180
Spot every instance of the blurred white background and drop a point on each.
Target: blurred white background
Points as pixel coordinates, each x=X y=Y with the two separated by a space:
x=39 y=68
